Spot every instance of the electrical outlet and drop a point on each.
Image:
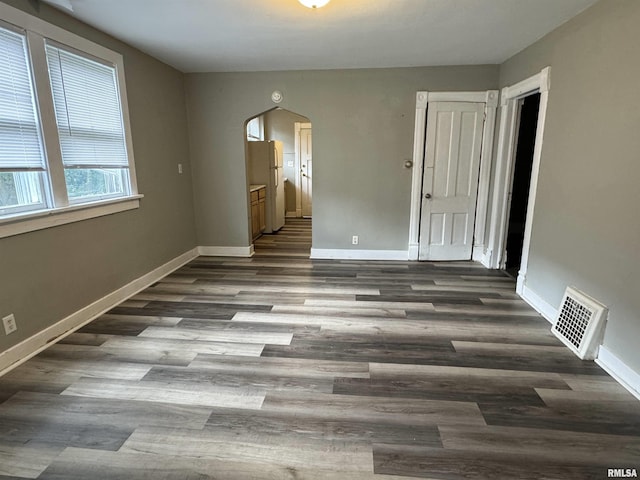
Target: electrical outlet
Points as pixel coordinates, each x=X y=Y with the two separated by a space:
x=9 y=324
x=180 y=168
x=355 y=240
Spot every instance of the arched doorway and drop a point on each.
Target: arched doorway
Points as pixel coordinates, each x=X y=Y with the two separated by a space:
x=278 y=150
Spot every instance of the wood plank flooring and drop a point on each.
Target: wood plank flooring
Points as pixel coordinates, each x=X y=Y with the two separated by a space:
x=280 y=367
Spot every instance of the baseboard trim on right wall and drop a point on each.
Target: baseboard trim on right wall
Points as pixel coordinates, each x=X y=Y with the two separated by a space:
x=620 y=371
x=539 y=304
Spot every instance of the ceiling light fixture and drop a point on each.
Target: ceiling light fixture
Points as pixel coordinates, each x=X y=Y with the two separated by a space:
x=314 y=3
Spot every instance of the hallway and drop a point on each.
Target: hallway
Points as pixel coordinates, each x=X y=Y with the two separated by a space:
x=292 y=240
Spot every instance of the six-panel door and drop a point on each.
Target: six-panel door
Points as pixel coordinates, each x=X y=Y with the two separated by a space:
x=450 y=183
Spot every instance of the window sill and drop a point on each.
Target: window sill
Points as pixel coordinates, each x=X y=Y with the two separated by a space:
x=41 y=219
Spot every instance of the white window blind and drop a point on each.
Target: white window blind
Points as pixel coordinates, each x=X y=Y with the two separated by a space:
x=20 y=146
x=87 y=106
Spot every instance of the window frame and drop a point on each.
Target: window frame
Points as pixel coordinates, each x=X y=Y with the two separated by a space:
x=59 y=208
x=28 y=208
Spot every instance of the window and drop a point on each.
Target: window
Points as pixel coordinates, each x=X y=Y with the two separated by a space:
x=255 y=129
x=92 y=143
x=21 y=156
x=65 y=142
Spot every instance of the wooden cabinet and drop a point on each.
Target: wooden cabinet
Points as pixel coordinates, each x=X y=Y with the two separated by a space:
x=262 y=205
x=258 y=210
x=255 y=215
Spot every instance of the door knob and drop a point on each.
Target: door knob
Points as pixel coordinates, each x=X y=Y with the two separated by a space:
x=427 y=196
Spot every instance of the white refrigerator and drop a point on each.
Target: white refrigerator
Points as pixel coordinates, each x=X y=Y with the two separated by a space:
x=265 y=168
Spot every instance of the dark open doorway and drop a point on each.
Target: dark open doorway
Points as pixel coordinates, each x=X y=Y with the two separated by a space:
x=528 y=126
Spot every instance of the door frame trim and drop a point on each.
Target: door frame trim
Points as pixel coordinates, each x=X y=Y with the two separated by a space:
x=298 y=181
x=423 y=98
x=505 y=158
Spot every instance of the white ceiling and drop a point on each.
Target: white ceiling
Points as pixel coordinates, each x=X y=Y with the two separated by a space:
x=258 y=35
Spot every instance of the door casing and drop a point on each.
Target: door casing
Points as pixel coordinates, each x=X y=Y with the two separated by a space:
x=490 y=99
x=298 y=159
x=505 y=157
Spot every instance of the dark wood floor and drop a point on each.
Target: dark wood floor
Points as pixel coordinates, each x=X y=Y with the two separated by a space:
x=279 y=367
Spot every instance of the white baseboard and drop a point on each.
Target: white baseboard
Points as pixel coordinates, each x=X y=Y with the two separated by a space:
x=349 y=254
x=290 y=215
x=20 y=353
x=620 y=371
x=520 y=284
x=226 y=251
x=414 y=251
x=540 y=305
x=485 y=260
x=478 y=253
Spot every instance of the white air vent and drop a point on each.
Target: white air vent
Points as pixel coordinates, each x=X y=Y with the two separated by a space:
x=580 y=323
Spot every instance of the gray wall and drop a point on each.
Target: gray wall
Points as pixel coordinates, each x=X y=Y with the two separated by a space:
x=49 y=274
x=363 y=123
x=586 y=228
x=280 y=125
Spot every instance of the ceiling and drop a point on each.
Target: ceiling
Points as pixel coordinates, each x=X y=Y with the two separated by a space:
x=259 y=35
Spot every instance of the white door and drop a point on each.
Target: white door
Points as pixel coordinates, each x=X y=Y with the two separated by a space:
x=306 y=170
x=450 y=182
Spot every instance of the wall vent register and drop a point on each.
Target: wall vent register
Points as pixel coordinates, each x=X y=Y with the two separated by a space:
x=580 y=323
